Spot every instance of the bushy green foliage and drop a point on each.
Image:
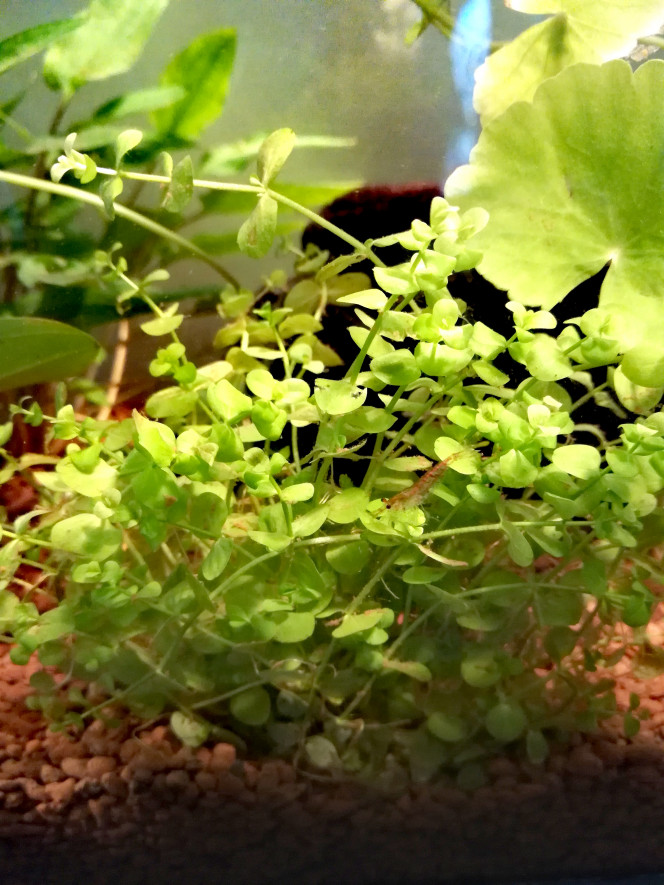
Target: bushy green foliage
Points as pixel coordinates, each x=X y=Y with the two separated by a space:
x=50 y=238
x=405 y=567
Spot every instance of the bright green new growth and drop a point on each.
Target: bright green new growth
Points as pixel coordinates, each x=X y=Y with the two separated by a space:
x=570 y=189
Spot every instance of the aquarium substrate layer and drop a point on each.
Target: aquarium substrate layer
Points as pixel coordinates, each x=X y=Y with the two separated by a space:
x=133 y=802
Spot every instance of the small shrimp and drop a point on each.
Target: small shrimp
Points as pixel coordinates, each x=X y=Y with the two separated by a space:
x=415 y=494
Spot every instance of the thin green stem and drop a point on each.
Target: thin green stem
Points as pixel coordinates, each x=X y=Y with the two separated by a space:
x=497 y=526
x=73 y=193
x=349 y=610
x=359 y=246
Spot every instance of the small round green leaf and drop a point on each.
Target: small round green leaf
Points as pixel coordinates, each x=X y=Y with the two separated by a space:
x=191 y=731
x=349 y=559
x=228 y=402
x=480 y=670
x=398 y=368
x=340 y=398
x=294 y=626
x=447 y=727
x=348 y=505
x=257 y=233
x=217 y=559
x=506 y=721
x=86 y=535
x=252 y=707
x=156 y=439
x=577 y=460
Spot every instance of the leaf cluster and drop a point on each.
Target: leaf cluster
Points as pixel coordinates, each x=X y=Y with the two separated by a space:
x=403 y=565
x=50 y=241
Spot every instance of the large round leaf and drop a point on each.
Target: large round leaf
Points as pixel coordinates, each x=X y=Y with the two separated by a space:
x=573 y=182
x=578 y=31
x=34 y=350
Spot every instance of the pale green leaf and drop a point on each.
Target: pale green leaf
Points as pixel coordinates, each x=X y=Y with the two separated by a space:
x=634 y=397
x=308 y=523
x=371 y=299
x=108 y=42
x=575 y=33
x=163 y=325
x=340 y=398
x=156 y=439
x=414 y=669
x=295 y=627
x=301 y=491
x=217 y=559
x=577 y=460
x=228 y=402
x=257 y=233
x=348 y=505
x=87 y=535
x=352 y=624
x=125 y=142
x=191 y=731
x=273 y=153
x=181 y=187
x=582 y=192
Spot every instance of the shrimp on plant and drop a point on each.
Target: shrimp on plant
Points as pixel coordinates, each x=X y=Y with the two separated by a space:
x=415 y=494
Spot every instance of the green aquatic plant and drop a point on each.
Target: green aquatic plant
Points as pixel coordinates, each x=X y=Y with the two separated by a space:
x=570 y=190
x=392 y=567
x=48 y=268
x=412 y=565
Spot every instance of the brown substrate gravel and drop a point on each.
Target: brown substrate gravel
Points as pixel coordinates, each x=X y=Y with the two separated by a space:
x=136 y=806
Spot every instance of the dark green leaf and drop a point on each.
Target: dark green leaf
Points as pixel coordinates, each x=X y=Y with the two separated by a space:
x=140 y=102
x=35 y=350
x=19 y=47
x=252 y=707
x=203 y=70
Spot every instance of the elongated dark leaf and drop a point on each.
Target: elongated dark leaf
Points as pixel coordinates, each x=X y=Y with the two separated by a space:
x=34 y=350
x=108 y=42
x=20 y=47
x=203 y=70
x=142 y=101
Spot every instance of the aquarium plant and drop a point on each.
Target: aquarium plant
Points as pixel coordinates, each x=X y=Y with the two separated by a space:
x=393 y=567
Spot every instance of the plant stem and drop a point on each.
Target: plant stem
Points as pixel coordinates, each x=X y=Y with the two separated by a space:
x=497 y=526
x=257 y=189
x=654 y=40
x=65 y=190
x=360 y=247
